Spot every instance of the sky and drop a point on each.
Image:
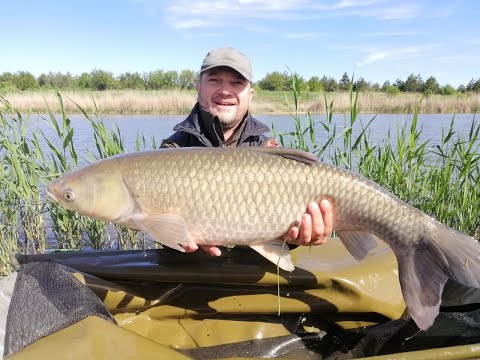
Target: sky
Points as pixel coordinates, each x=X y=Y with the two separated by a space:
x=378 y=40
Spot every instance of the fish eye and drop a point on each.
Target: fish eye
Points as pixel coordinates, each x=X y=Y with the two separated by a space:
x=69 y=195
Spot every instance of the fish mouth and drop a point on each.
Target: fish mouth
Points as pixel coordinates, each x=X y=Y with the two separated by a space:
x=50 y=193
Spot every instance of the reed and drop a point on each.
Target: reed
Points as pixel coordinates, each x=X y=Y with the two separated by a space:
x=264 y=102
x=107 y=102
x=442 y=180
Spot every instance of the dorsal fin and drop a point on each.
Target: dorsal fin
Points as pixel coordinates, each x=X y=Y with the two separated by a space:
x=288 y=153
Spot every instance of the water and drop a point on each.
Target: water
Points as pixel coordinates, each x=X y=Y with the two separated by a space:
x=160 y=127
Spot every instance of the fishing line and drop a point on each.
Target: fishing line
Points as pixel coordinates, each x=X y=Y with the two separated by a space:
x=278 y=275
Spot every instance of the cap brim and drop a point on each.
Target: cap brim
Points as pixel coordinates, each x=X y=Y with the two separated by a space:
x=227 y=65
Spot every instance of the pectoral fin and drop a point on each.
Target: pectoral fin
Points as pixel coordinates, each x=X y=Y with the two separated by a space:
x=358 y=243
x=277 y=252
x=169 y=229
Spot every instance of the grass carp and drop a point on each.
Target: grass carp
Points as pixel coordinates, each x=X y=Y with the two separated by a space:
x=252 y=196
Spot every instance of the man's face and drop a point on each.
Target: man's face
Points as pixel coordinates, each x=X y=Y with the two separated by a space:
x=225 y=93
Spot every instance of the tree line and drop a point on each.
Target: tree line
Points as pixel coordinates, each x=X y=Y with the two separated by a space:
x=186 y=80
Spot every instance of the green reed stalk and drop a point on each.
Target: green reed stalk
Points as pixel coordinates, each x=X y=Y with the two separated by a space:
x=443 y=181
x=20 y=178
x=108 y=142
x=67 y=225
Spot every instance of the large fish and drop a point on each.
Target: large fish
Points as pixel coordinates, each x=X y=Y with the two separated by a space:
x=251 y=196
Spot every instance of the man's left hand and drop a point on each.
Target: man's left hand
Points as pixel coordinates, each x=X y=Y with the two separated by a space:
x=316 y=225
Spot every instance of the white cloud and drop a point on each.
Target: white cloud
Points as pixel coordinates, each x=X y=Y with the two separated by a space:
x=400 y=12
x=390 y=34
x=348 y=4
x=304 y=35
x=220 y=13
x=374 y=56
x=190 y=24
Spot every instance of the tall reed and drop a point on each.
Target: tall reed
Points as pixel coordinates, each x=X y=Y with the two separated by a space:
x=22 y=223
x=442 y=180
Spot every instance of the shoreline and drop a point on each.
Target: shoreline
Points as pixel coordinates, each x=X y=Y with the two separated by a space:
x=129 y=102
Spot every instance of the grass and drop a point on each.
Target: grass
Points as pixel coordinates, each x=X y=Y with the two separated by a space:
x=265 y=102
x=442 y=180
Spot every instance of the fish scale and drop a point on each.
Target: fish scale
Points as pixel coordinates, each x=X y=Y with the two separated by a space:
x=252 y=196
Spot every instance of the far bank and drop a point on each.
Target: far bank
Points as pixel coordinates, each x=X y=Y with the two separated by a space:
x=264 y=102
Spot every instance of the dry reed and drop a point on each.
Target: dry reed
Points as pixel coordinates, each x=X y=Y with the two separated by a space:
x=382 y=103
x=181 y=102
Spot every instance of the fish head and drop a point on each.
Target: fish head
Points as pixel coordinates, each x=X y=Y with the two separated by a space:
x=93 y=192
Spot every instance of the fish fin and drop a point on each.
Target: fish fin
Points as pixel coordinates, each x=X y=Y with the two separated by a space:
x=168 y=229
x=424 y=270
x=288 y=153
x=358 y=243
x=277 y=252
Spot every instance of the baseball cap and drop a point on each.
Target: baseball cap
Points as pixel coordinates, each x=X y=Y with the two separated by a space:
x=230 y=57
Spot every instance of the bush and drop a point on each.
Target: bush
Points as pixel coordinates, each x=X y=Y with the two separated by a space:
x=392 y=90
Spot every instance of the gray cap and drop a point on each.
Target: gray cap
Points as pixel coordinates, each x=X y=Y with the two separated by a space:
x=228 y=57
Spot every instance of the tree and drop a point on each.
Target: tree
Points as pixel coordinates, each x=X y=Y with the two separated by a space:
x=344 y=83
x=413 y=83
x=300 y=82
x=83 y=81
x=187 y=79
x=274 y=81
x=461 y=88
x=431 y=86
x=400 y=84
x=7 y=82
x=24 y=80
x=392 y=90
x=170 y=79
x=385 y=85
x=7 y=76
x=154 y=80
x=448 y=90
x=314 y=84
x=473 y=86
x=131 y=81
x=101 y=80
x=375 y=87
x=361 y=85
x=476 y=86
x=329 y=84
x=56 y=80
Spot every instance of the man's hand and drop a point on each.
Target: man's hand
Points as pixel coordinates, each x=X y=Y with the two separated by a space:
x=316 y=225
x=211 y=249
x=315 y=228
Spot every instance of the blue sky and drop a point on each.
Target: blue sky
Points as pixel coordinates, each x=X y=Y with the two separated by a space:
x=377 y=39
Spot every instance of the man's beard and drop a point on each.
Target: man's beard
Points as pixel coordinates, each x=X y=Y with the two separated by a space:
x=229 y=122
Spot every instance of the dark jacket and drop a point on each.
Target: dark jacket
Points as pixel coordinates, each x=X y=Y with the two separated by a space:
x=201 y=128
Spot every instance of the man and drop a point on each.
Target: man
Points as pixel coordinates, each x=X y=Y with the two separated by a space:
x=221 y=118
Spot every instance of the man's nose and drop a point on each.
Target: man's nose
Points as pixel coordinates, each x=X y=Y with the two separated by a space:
x=226 y=88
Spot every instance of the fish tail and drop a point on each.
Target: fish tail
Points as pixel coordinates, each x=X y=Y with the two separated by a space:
x=443 y=254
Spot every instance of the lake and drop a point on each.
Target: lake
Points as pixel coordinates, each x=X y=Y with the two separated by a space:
x=160 y=126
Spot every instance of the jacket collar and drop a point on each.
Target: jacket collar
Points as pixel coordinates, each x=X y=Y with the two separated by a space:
x=207 y=129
